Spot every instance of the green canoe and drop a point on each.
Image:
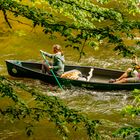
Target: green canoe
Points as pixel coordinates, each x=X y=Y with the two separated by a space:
x=99 y=80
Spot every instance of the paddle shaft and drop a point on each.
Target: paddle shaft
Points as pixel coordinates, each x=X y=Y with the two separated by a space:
x=51 y=70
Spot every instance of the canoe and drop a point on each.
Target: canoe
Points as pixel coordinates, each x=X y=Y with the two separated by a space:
x=99 y=80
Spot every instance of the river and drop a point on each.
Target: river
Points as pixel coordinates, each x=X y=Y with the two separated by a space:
x=24 y=43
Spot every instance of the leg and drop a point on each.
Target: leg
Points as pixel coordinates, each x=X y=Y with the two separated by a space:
x=129 y=80
x=45 y=67
x=123 y=80
x=124 y=75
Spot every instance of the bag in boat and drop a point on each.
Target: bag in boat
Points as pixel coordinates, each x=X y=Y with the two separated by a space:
x=72 y=74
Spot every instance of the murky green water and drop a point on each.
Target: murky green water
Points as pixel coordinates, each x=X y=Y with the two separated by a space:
x=24 y=43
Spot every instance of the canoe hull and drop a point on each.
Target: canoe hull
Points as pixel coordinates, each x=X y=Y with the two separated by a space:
x=99 y=81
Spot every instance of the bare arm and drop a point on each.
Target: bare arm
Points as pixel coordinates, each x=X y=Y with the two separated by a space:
x=47 y=54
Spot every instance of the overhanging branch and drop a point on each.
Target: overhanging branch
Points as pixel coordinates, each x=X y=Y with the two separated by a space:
x=6 y=19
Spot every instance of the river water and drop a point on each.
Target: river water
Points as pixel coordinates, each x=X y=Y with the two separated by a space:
x=24 y=43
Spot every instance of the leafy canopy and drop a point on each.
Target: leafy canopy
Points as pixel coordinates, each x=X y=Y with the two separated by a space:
x=82 y=22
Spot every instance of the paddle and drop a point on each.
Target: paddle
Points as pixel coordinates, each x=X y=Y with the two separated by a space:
x=51 y=69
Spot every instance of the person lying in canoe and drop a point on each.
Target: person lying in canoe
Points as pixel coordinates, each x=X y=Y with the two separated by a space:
x=58 y=61
x=131 y=75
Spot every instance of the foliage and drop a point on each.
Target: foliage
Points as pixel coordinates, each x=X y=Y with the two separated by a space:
x=48 y=107
x=134 y=111
x=126 y=131
x=81 y=22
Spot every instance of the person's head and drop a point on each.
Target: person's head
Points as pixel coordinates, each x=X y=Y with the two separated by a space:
x=57 y=48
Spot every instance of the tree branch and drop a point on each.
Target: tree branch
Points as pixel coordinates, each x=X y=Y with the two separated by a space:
x=6 y=19
x=82 y=50
x=20 y=22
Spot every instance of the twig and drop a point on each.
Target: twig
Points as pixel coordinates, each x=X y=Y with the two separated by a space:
x=20 y=22
x=82 y=50
x=6 y=19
